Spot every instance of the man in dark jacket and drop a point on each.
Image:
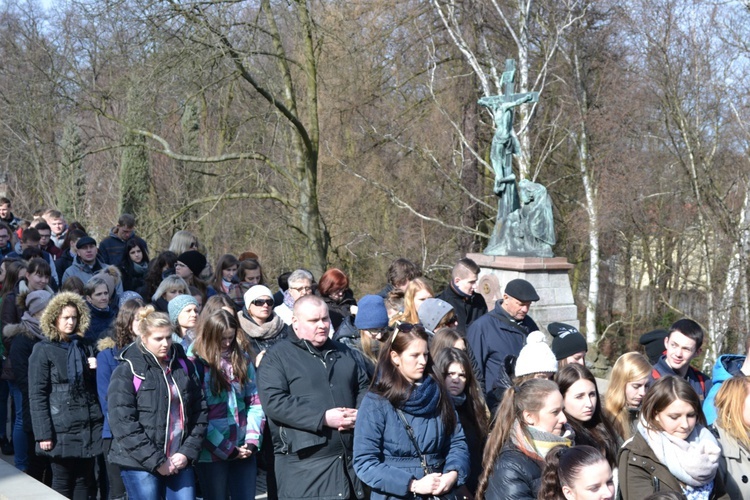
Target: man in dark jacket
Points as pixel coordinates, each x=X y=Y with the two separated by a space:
x=501 y=333
x=400 y=273
x=112 y=247
x=683 y=344
x=6 y=245
x=460 y=293
x=310 y=388
x=6 y=215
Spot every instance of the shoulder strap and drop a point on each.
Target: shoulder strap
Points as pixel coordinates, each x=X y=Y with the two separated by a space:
x=413 y=440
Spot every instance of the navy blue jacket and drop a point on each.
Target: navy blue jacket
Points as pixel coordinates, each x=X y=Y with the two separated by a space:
x=492 y=338
x=106 y=362
x=112 y=247
x=385 y=458
x=698 y=380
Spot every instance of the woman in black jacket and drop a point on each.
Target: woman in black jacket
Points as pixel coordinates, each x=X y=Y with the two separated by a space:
x=454 y=365
x=157 y=414
x=528 y=423
x=65 y=412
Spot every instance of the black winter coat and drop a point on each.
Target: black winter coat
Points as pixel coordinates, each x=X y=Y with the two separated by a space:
x=22 y=344
x=138 y=419
x=71 y=419
x=297 y=384
x=515 y=476
x=467 y=309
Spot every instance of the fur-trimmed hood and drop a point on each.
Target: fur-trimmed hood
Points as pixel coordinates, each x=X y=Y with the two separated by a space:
x=54 y=309
x=18 y=329
x=23 y=292
x=105 y=343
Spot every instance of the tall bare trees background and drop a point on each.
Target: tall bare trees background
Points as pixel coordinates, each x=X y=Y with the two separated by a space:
x=347 y=133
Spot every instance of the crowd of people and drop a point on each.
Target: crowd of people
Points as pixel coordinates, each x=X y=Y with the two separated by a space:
x=132 y=376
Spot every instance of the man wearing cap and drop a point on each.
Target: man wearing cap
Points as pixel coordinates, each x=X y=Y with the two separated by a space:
x=461 y=294
x=86 y=263
x=501 y=333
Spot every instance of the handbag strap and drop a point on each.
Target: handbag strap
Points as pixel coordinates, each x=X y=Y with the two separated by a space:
x=413 y=440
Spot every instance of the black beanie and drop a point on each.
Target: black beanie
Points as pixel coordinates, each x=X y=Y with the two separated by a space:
x=195 y=260
x=567 y=340
x=653 y=341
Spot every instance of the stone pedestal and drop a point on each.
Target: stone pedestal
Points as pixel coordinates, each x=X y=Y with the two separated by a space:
x=548 y=275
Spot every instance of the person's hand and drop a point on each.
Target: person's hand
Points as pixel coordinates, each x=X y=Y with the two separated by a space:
x=426 y=485
x=45 y=445
x=244 y=452
x=92 y=363
x=166 y=469
x=259 y=357
x=179 y=461
x=340 y=418
x=446 y=483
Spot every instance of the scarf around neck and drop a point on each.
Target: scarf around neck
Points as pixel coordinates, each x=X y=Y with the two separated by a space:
x=32 y=325
x=288 y=300
x=74 y=363
x=267 y=330
x=424 y=399
x=541 y=441
x=693 y=461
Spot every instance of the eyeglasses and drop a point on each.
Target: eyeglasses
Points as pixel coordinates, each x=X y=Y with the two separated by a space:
x=406 y=328
x=262 y=302
x=301 y=288
x=452 y=319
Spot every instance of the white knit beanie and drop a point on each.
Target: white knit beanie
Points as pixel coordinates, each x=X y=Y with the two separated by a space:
x=536 y=356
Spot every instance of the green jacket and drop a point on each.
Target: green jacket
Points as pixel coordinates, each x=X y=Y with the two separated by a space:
x=641 y=473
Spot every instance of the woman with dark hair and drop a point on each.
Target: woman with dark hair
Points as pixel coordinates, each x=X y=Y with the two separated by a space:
x=189 y=267
x=106 y=361
x=134 y=265
x=96 y=293
x=158 y=269
x=38 y=275
x=446 y=338
x=407 y=440
x=454 y=365
x=672 y=450
x=227 y=464
x=528 y=424
x=249 y=274
x=65 y=413
x=333 y=287
x=576 y=473
x=583 y=408
x=225 y=274
x=157 y=413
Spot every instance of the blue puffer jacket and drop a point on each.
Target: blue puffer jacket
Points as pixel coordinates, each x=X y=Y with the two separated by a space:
x=384 y=457
x=726 y=367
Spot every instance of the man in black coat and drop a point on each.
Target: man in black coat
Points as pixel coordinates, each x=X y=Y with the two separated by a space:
x=461 y=294
x=502 y=333
x=310 y=387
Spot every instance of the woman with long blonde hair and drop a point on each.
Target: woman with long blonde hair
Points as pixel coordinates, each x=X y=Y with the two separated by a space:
x=417 y=291
x=733 y=428
x=627 y=386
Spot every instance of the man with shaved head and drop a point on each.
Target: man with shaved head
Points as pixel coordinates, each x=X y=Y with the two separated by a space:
x=310 y=388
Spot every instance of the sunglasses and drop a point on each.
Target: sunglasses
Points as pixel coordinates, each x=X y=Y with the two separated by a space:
x=262 y=302
x=406 y=328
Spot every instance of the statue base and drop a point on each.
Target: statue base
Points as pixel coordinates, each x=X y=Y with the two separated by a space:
x=548 y=275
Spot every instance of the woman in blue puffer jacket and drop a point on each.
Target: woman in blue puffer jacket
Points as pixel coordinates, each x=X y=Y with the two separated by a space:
x=408 y=393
